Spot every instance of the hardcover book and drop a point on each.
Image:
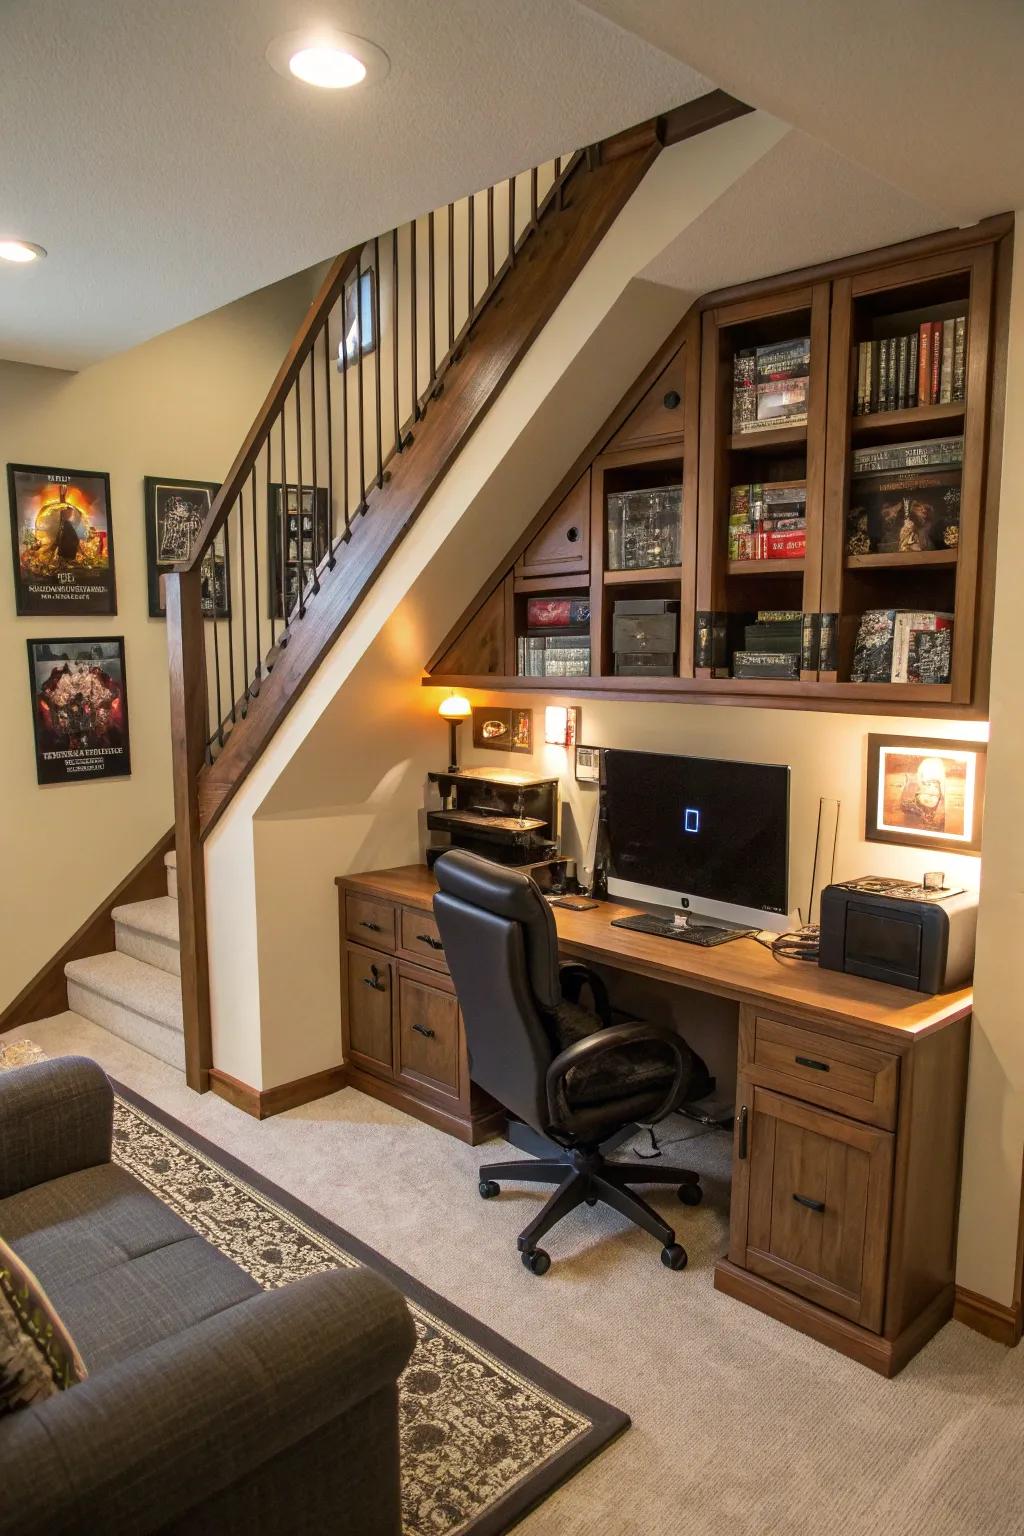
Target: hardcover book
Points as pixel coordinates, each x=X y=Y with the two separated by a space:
x=872 y=652
x=903 y=512
x=930 y=659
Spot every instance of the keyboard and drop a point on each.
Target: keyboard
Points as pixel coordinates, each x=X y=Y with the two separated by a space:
x=704 y=934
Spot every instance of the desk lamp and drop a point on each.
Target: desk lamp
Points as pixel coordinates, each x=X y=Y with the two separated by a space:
x=454 y=709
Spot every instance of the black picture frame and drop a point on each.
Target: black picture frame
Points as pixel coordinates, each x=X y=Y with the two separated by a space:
x=502 y=728
x=80 y=732
x=166 y=534
x=315 y=539
x=62 y=541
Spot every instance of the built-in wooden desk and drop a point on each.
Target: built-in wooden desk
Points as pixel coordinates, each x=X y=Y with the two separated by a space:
x=849 y=1105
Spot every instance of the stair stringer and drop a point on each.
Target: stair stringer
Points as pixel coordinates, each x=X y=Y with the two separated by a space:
x=297 y=1033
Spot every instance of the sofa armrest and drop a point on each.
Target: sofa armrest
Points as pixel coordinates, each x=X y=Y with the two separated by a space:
x=56 y=1117
x=137 y=1445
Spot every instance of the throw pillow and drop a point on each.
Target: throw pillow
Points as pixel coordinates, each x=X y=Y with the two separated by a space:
x=37 y=1354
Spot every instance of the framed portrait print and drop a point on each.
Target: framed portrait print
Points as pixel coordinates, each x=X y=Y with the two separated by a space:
x=504 y=730
x=175 y=513
x=79 y=709
x=62 y=540
x=925 y=792
x=297 y=543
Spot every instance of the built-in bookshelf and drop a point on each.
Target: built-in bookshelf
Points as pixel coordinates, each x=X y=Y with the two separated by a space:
x=789 y=506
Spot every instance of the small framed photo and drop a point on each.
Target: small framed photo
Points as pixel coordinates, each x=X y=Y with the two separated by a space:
x=175 y=513
x=924 y=792
x=588 y=765
x=62 y=540
x=79 y=709
x=504 y=730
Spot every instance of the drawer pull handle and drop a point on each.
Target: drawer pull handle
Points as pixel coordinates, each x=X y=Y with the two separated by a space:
x=374 y=981
x=428 y=939
x=742 y=1148
x=812 y=1205
x=423 y=1029
x=808 y=1061
x=364 y=922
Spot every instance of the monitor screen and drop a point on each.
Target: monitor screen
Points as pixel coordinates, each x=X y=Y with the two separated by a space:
x=700 y=826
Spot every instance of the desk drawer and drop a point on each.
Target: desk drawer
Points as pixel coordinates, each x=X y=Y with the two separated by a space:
x=428 y=1031
x=370 y=922
x=420 y=938
x=843 y=1075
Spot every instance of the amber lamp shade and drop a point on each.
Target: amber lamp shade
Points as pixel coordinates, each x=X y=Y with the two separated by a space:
x=454 y=709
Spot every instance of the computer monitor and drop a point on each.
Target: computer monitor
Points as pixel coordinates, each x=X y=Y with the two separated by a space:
x=699 y=832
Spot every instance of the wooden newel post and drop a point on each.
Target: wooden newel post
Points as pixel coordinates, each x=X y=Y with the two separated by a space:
x=186 y=643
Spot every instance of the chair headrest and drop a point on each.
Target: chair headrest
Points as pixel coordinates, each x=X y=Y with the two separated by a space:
x=511 y=894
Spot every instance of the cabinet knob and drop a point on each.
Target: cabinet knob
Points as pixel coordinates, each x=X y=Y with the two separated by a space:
x=423 y=1029
x=673 y=400
x=742 y=1118
x=812 y=1205
x=430 y=941
x=364 y=922
x=374 y=981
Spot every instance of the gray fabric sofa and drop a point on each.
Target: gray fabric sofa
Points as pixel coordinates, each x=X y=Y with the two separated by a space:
x=210 y=1405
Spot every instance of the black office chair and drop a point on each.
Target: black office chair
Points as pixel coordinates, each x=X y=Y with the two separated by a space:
x=572 y=1075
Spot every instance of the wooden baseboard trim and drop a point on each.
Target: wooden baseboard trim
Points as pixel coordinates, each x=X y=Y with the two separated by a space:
x=262 y=1102
x=471 y=1130
x=992 y=1318
x=47 y=992
x=886 y=1356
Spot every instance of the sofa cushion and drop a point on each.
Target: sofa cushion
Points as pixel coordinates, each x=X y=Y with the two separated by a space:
x=123 y=1270
x=37 y=1354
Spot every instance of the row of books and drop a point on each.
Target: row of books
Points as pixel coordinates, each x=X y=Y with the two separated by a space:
x=557 y=612
x=771 y=646
x=553 y=655
x=769 y=385
x=928 y=367
x=903 y=646
x=928 y=453
x=768 y=522
x=907 y=512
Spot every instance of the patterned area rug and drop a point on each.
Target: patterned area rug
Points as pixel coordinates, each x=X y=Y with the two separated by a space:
x=487 y=1432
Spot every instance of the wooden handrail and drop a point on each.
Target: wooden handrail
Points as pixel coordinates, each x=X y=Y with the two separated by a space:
x=340 y=271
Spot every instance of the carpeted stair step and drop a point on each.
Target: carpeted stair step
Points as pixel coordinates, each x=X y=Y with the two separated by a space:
x=171 y=865
x=148 y=931
x=136 y=1001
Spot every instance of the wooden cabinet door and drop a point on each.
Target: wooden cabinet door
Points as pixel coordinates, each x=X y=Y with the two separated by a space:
x=369 y=1001
x=427 y=1037
x=562 y=546
x=811 y=1203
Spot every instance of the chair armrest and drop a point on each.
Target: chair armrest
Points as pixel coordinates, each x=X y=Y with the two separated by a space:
x=136 y=1446
x=574 y=977
x=56 y=1117
x=604 y=1040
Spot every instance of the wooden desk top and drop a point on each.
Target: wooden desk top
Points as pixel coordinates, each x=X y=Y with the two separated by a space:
x=743 y=970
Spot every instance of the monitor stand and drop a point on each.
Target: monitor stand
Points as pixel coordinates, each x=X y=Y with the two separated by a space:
x=684 y=927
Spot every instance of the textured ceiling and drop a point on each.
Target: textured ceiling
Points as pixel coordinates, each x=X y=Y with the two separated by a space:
x=800 y=204
x=167 y=169
x=924 y=93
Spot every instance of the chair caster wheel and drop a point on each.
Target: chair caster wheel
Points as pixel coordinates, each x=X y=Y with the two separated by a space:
x=674 y=1256
x=536 y=1261
x=488 y=1189
x=591 y=1200
x=691 y=1194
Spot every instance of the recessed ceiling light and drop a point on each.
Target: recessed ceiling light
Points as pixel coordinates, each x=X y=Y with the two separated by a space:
x=332 y=60
x=20 y=251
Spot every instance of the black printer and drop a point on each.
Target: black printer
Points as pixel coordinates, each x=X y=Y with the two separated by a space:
x=917 y=936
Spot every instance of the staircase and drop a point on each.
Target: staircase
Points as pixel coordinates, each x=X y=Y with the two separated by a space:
x=135 y=990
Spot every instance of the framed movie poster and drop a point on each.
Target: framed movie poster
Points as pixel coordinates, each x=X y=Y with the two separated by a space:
x=925 y=793
x=175 y=512
x=296 y=546
x=62 y=540
x=506 y=730
x=79 y=709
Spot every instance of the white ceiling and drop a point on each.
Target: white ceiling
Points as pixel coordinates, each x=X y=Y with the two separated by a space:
x=924 y=93
x=800 y=204
x=167 y=169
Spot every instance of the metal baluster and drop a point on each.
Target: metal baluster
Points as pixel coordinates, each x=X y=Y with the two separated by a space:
x=301 y=500
x=242 y=584
x=511 y=221
x=432 y=331
x=271 y=601
x=414 y=328
x=490 y=236
x=471 y=260
x=329 y=416
x=376 y=357
x=359 y=382
x=317 y=548
x=558 y=182
x=256 y=570
x=394 y=338
x=533 y=196
x=282 y=516
x=344 y=417
x=230 y=616
x=219 y=732
x=451 y=278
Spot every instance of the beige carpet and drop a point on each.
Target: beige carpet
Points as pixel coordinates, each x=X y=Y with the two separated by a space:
x=740 y=1426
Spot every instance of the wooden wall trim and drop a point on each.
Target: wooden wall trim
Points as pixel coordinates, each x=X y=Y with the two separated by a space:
x=694 y=117
x=262 y=1102
x=992 y=1318
x=47 y=992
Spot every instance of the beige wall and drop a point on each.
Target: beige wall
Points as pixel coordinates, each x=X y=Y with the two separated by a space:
x=179 y=405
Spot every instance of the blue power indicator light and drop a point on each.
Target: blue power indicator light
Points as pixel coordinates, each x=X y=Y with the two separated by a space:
x=691 y=820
